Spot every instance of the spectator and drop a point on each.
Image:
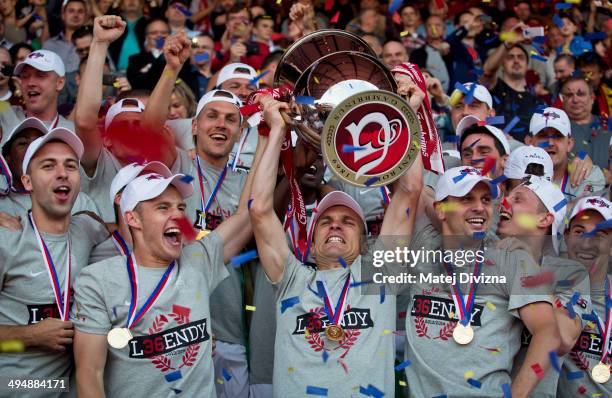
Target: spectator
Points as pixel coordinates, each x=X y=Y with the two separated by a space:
x=511 y=88
x=19 y=52
x=369 y=21
x=5 y=77
x=131 y=42
x=394 y=53
x=578 y=100
x=269 y=65
x=263 y=28
x=563 y=66
x=219 y=17
x=572 y=44
x=552 y=131
x=12 y=31
x=201 y=60
x=182 y=102
x=411 y=20
x=201 y=11
x=236 y=45
x=36 y=22
x=4 y=42
x=593 y=68
x=176 y=14
x=434 y=55
x=466 y=57
x=522 y=9
x=374 y=43
x=81 y=40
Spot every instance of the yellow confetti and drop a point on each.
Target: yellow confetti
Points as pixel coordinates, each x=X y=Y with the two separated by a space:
x=278 y=2
x=526 y=221
x=402 y=383
x=468 y=375
x=566 y=221
x=404 y=33
x=219 y=381
x=448 y=207
x=12 y=346
x=455 y=97
x=290 y=370
x=491 y=306
x=573 y=1
x=249 y=308
x=381 y=354
x=451 y=315
x=584 y=217
x=202 y=234
x=316 y=79
x=116 y=85
x=386 y=332
x=198 y=296
x=507 y=36
x=306 y=333
x=590 y=325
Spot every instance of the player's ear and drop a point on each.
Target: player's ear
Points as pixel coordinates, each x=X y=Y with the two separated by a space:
x=132 y=218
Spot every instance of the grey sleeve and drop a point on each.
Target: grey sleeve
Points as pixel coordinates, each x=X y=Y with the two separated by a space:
x=294 y=275
x=522 y=281
x=182 y=133
x=212 y=246
x=89 y=313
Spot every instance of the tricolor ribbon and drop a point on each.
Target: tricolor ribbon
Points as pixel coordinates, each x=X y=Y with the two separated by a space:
x=336 y=316
x=61 y=300
x=245 y=135
x=605 y=327
x=120 y=243
x=132 y=268
x=6 y=171
x=464 y=309
x=431 y=147
x=206 y=203
x=303 y=257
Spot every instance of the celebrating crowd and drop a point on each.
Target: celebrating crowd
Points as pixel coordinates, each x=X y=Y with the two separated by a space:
x=152 y=178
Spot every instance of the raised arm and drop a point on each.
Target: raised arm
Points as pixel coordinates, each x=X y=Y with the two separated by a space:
x=402 y=210
x=269 y=234
x=106 y=29
x=539 y=318
x=90 y=357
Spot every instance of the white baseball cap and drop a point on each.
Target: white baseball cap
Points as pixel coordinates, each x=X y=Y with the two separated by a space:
x=553 y=199
x=550 y=117
x=43 y=60
x=131 y=171
x=339 y=198
x=218 y=95
x=150 y=186
x=123 y=106
x=525 y=155
x=480 y=93
x=597 y=203
x=469 y=121
x=236 y=70
x=458 y=182
x=58 y=133
x=29 y=123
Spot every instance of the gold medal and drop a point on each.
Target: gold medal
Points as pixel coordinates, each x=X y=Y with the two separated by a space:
x=334 y=332
x=119 y=337
x=600 y=373
x=463 y=334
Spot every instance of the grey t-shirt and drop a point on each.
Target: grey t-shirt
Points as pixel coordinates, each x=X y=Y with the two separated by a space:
x=365 y=355
x=245 y=159
x=26 y=296
x=171 y=349
x=565 y=270
x=595 y=142
x=594 y=182
x=17 y=204
x=98 y=185
x=439 y=364
x=11 y=116
x=586 y=354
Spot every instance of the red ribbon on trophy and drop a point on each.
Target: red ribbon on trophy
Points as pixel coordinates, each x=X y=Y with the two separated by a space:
x=431 y=148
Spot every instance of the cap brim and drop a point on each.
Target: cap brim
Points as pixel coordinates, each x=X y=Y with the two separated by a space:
x=134 y=171
x=33 y=64
x=465 y=123
x=29 y=123
x=463 y=187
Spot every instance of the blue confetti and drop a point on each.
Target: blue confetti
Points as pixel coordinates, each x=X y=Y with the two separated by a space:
x=479 y=235
x=371 y=181
x=382 y=294
x=371 y=391
x=170 y=377
x=539 y=58
x=582 y=154
x=511 y=125
x=159 y=43
x=304 y=100
x=560 y=205
x=507 y=390
x=452 y=138
x=495 y=120
x=474 y=143
x=186 y=179
x=403 y=365
x=312 y=390
x=257 y=78
x=474 y=383
x=594 y=36
x=563 y=6
x=499 y=180
x=496 y=100
x=544 y=144
x=176 y=391
x=288 y=303
x=395 y=5
x=226 y=374
x=325 y=356
x=604 y=225
x=469 y=97
x=440 y=396
x=570 y=309
x=201 y=57
x=458 y=178
x=554 y=361
x=574 y=375
x=461 y=87
x=540 y=109
x=558 y=21
x=244 y=257
x=346 y=148
x=355 y=284
x=249 y=203
x=342 y=262
x=538 y=40
x=183 y=10
x=478 y=72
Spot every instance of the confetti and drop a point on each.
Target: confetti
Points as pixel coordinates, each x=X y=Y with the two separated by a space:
x=537 y=369
x=404 y=33
x=325 y=356
x=159 y=43
x=244 y=257
x=469 y=374
x=526 y=221
x=312 y=390
x=455 y=97
x=544 y=144
x=560 y=205
x=562 y=6
x=448 y=207
x=257 y=78
x=382 y=294
x=12 y=346
x=582 y=390
x=288 y=303
x=395 y=5
x=558 y=21
x=491 y=306
x=574 y=375
x=341 y=362
x=226 y=374
x=474 y=383
x=184 y=225
x=342 y=262
x=469 y=96
x=304 y=100
x=507 y=391
x=329 y=4
x=183 y=10
x=371 y=391
x=511 y=125
x=290 y=370
x=402 y=383
x=495 y=120
x=479 y=235
x=542 y=278
x=249 y=203
x=403 y=365
x=219 y=381
x=539 y=58
x=334 y=20
x=186 y=179
x=554 y=361
x=250 y=308
x=346 y=148
x=202 y=57
x=371 y=181
x=507 y=36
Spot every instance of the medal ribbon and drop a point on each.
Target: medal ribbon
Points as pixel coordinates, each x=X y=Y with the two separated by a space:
x=4 y=169
x=465 y=310
x=245 y=135
x=61 y=300
x=336 y=316
x=133 y=316
x=564 y=183
x=120 y=243
x=213 y=194
x=605 y=327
